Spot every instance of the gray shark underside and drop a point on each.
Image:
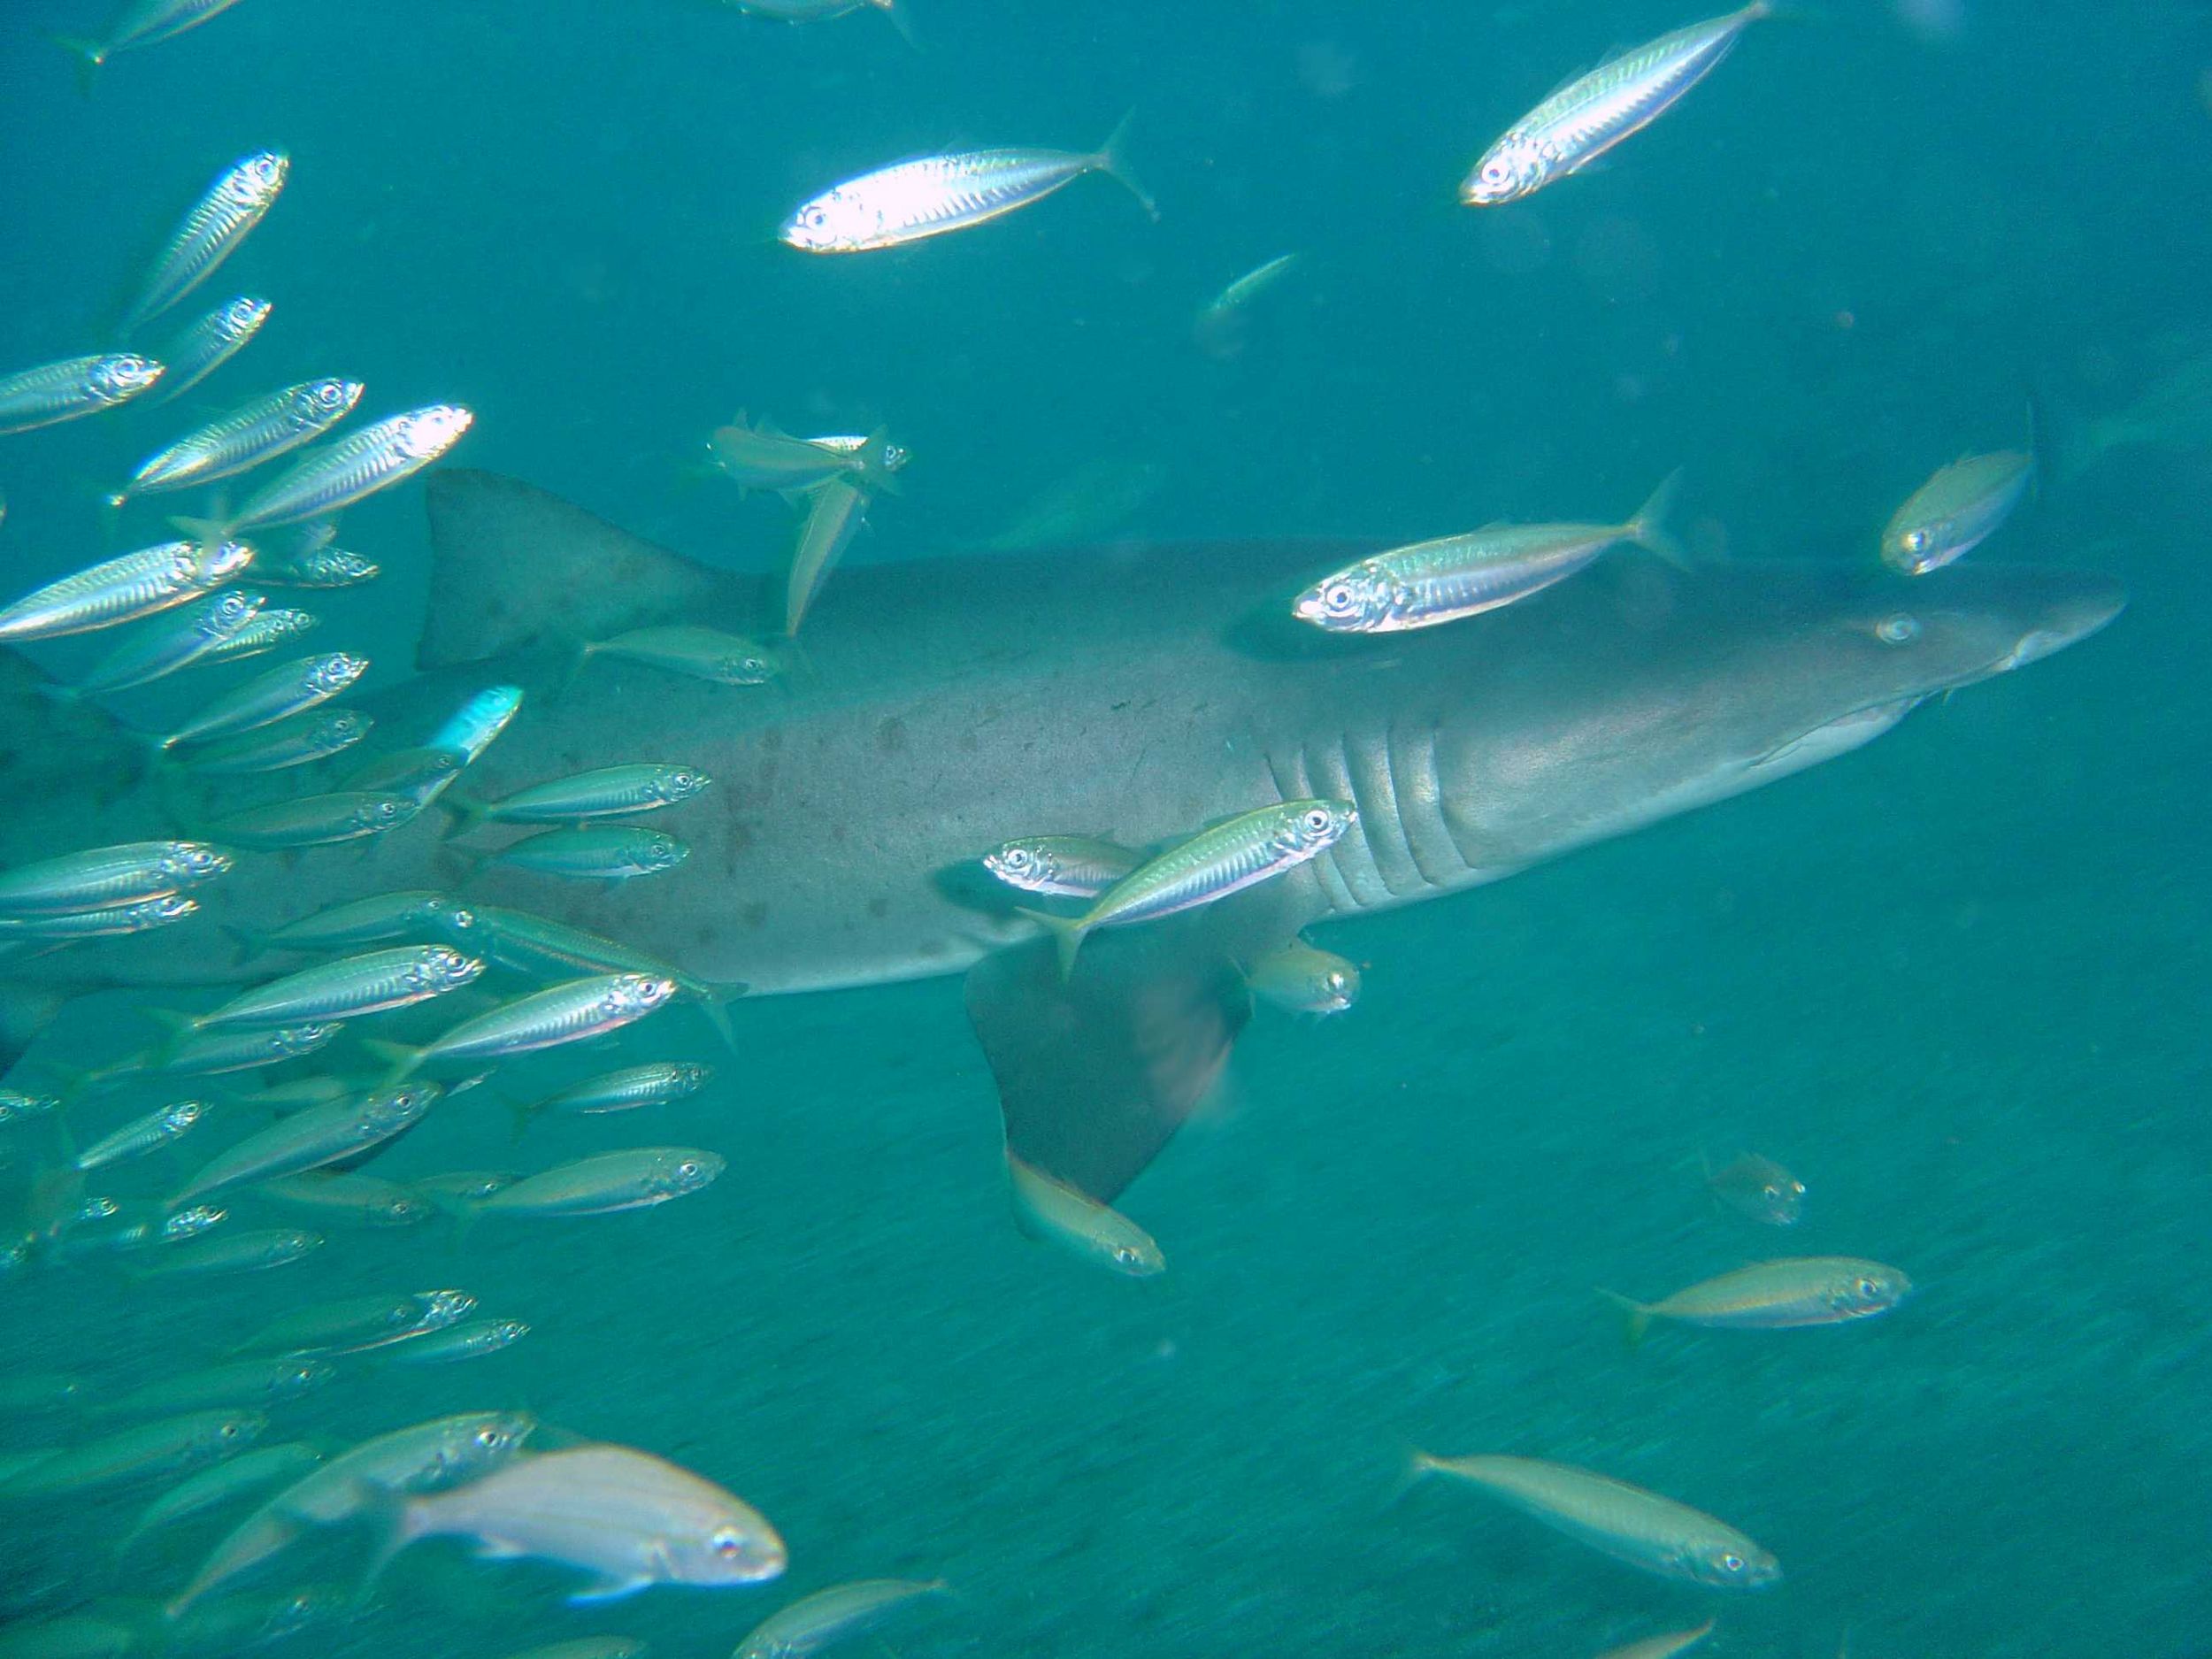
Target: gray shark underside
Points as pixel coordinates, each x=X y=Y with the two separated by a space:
x=948 y=705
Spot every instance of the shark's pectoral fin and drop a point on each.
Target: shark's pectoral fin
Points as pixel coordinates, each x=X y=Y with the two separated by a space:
x=1097 y=1071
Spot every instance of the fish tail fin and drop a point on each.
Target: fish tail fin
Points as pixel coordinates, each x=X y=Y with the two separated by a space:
x=86 y=57
x=1635 y=1316
x=524 y=1113
x=1647 y=529
x=248 y=946
x=177 y=1028
x=714 y=998
x=404 y=1060
x=1067 y=935
x=902 y=19
x=1413 y=1467
x=205 y=532
x=60 y=691
x=392 y=1519
x=462 y=815
x=1113 y=161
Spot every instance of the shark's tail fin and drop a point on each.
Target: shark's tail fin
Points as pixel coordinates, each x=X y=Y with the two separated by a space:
x=86 y=57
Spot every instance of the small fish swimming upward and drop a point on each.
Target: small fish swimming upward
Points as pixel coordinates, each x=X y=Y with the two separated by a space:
x=914 y=199
x=1592 y=113
x=1208 y=867
x=211 y=343
x=215 y=228
x=56 y=392
x=1453 y=577
x=248 y=436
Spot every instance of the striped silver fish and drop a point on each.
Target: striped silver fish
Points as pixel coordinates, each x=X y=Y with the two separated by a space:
x=1592 y=113
x=843 y=1611
x=248 y=436
x=105 y=877
x=1071 y=866
x=599 y=852
x=316 y=820
x=831 y=521
x=213 y=229
x=141 y=23
x=327 y=479
x=653 y=1084
x=470 y=730
x=607 y=792
x=1211 y=865
x=936 y=194
x=269 y=697
x=165 y=647
x=1458 y=576
x=309 y=1140
x=1302 y=979
x=161 y=1128
x=821 y=10
x=123 y=588
x=357 y=922
x=1625 y=1522
x=757 y=456
x=312 y=736
x=320 y=567
x=264 y=633
x=573 y=1013
x=114 y=921
x=211 y=343
x=233 y=1253
x=211 y=1053
x=695 y=652
x=368 y=983
x=472 y=1341
x=1053 y=1212
x=635 y=1177
x=55 y=392
x=539 y=947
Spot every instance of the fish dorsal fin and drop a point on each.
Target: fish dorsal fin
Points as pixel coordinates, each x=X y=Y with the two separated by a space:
x=514 y=567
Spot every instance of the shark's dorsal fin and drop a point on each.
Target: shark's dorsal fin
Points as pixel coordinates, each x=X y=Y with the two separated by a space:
x=515 y=568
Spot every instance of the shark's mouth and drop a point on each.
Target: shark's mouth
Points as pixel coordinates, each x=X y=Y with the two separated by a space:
x=1839 y=736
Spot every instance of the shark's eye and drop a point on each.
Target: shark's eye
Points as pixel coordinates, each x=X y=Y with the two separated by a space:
x=1897 y=630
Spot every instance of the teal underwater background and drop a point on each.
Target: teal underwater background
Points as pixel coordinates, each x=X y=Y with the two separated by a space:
x=1957 y=983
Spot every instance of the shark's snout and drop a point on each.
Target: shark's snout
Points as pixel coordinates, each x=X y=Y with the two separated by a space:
x=2081 y=604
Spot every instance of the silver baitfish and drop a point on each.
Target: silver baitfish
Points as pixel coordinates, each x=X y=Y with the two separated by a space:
x=822 y=10
x=105 y=877
x=471 y=728
x=360 y=1323
x=758 y=456
x=472 y=1341
x=607 y=792
x=1958 y=509
x=271 y=696
x=138 y=1454
x=114 y=922
x=161 y=647
x=834 y=518
x=263 y=635
x=813 y=1622
x=355 y=1200
x=320 y=567
x=193 y=1053
x=696 y=653
x=312 y=1139
x=248 y=436
x=902 y=204
x=258 y=1383
x=123 y=590
x=316 y=820
x=1250 y=847
x=213 y=228
x=211 y=1488
x=141 y=23
x=610 y=852
x=211 y=343
x=1300 y=978
x=16 y=1107
x=334 y=477
x=572 y=1012
x=357 y=922
x=295 y=741
x=164 y=1127
x=372 y=983
x=1050 y=1210
x=653 y=1084
x=1592 y=113
x=1223 y=321
x=56 y=392
x=1460 y=576
x=542 y=949
x=635 y=1177
x=234 y=1253
x=1067 y=867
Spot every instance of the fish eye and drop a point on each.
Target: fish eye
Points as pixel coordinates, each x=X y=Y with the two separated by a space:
x=1340 y=597
x=1495 y=171
x=1915 y=541
x=688 y=1169
x=490 y=1439
x=1869 y=1289
x=1731 y=1564
x=1317 y=820
x=727 y=1542
x=1127 y=1256
x=1897 y=630
x=814 y=218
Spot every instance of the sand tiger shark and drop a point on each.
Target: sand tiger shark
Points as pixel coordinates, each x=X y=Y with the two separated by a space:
x=948 y=705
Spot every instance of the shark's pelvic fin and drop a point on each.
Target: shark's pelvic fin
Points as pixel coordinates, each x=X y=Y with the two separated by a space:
x=1097 y=1071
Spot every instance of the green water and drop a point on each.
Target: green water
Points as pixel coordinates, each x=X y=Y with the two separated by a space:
x=1956 y=983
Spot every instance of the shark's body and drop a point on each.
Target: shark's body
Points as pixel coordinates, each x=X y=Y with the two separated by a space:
x=947 y=706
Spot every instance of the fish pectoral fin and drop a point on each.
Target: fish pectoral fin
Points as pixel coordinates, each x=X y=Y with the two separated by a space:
x=499 y=1549
x=605 y=1590
x=1096 y=1072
